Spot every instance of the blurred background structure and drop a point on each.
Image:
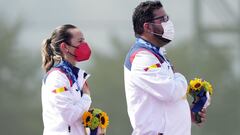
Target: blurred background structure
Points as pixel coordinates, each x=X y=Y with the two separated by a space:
x=207 y=45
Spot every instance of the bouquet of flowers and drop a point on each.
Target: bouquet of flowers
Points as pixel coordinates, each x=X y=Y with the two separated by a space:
x=200 y=90
x=96 y=120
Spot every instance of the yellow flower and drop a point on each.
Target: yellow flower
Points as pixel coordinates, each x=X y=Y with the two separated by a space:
x=104 y=120
x=95 y=118
x=87 y=118
x=196 y=84
x=208 y=87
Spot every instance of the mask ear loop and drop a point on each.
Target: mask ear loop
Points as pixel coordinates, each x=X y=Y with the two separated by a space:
x=67 y=50
x=154 y=32
x=72 y=46
x=71 y=53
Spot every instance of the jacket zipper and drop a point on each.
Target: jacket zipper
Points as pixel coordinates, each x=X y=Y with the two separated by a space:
x=69 y=129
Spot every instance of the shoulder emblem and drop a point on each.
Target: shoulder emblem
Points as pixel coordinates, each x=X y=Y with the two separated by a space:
x=153 y=66
x=60 y=90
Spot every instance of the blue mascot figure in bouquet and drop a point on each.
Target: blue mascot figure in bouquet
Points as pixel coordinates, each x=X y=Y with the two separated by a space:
x=200 y=90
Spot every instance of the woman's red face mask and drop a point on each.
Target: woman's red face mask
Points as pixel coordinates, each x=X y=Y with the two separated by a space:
x=82 y=52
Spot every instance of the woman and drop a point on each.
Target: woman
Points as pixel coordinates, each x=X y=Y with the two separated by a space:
x=65 y=93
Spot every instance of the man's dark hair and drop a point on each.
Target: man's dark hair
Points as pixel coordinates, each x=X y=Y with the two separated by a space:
x=143 y=13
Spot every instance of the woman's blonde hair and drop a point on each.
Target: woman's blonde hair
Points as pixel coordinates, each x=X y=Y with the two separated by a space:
x=51 y=52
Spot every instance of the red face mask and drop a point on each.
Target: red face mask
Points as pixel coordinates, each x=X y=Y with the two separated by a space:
x=82 y=52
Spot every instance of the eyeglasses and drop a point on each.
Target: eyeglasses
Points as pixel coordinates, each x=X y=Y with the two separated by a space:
x=164 y=18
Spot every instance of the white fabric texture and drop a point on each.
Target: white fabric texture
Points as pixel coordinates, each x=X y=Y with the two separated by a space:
x=155 y=98
x=63 y=109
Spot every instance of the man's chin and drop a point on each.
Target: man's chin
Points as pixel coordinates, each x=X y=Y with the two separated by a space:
x=166 y=40
x=163 y=41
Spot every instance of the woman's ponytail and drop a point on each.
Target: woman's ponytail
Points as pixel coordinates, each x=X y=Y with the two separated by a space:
x=47 y=55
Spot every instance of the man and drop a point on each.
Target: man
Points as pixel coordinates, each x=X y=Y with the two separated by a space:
x=155 y=93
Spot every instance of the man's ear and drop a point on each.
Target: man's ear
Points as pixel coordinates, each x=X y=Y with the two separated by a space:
x=63 y=47
x=147 y=27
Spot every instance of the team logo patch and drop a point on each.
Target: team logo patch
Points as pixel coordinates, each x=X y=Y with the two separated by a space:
x=60 y=90
x=153 y=67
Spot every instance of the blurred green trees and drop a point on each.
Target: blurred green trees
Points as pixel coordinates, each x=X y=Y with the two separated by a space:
x=107 y=88
x=214 y=64
x=20 y=111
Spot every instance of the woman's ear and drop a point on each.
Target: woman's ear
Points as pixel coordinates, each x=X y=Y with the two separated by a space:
x=63 y=47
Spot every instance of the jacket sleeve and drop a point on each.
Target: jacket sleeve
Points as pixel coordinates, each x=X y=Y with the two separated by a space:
x=63 y=103
x=157 y=82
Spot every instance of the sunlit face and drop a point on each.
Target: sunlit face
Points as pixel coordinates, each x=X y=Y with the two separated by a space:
x=77 y=38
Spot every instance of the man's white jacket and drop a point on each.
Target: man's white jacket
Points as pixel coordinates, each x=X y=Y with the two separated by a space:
x=156 y=95
x=62 y=105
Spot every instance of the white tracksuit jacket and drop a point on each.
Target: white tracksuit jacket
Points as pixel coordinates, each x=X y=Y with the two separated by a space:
x=156 y=96
x=62 y=105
